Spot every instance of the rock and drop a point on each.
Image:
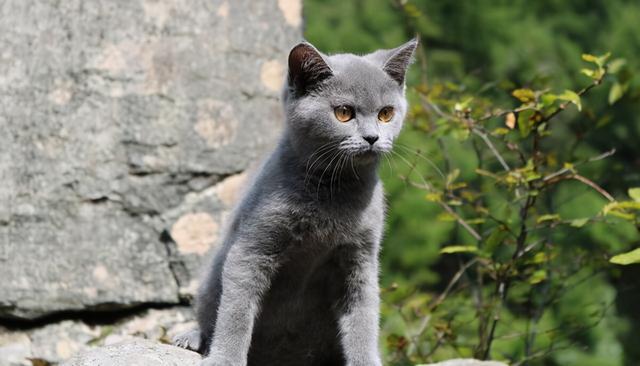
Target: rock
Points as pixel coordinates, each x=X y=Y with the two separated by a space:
x=57 y=342
x=467 y=362
x=136 y=353
x=123 y=122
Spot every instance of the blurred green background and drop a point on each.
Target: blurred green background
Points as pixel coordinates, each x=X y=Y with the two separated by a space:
x=487 y=47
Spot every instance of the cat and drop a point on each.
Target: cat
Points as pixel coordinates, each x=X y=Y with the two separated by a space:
x=295 y=280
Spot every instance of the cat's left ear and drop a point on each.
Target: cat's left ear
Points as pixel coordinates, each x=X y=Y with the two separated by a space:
x=307 y=68
x=399 y=59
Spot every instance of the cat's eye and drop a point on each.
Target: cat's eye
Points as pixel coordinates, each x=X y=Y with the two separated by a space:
x=386 y=114
x=344 y=113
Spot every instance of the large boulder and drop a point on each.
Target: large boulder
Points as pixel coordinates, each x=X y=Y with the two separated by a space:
x=57 y=341
x=125 y=127
x=136 y=353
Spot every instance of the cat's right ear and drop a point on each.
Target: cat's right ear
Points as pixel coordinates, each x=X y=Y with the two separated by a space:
x=307 y=68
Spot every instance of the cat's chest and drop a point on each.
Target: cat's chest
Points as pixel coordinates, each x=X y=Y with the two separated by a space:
x=322 y=227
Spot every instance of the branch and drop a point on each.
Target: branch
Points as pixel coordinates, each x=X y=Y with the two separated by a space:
x=604 y=155
x=448 y=208
x=452 y=283
x=461 y=221
x=580 y=93
x=493 y=149
x=554 y=178
x=593 y=185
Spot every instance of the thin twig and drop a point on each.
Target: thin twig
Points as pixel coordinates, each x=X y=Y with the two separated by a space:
x=584 y=180
x=604 y=155
x=493 y=149
x=452 y=283
x=461 y=221
x=448 y=208
x=593 y=185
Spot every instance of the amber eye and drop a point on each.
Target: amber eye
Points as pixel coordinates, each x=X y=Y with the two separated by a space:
x=385 y=114
x=344 y=113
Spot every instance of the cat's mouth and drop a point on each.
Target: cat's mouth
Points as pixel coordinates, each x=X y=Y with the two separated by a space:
x=367 y=155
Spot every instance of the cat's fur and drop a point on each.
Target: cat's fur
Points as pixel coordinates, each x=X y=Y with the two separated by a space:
x=295 y=281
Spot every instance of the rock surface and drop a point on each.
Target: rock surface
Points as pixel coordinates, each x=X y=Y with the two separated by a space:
x=124 y=126
x=57 y=342
x=136 y=353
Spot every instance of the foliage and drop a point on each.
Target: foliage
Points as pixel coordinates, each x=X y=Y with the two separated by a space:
x=512 y=231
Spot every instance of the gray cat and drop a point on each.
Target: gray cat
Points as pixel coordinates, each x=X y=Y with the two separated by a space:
x=295 y=281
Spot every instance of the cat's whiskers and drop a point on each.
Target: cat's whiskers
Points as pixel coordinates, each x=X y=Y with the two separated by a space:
x=337 y=153
x=412 y=168
x=333 y=173
x=388 y=159
x=353 y=168
x=320 y=149
x=417 y=153
x=342 y=163
x=327 y=150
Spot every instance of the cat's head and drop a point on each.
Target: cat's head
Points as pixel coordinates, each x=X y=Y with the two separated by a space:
x=349 y=103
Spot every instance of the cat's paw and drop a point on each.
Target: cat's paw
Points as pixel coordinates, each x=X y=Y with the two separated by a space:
x=189 y=340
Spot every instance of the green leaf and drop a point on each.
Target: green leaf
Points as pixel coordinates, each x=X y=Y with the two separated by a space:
x=538 y=276
x=433 y=197
x=593 y=74
x=525 y=122
x=589 y=58
x=634 y=193
x=571 y=96
x=486 y=173
x=601 y=60
x=500 y=131
x=598 y=60
x=461 y=106
x=615 y=65
x=446 y=217
x=616 y=92
x=458 y=249
x=550 y=217
x=627 y=258
x=524 y=95
x=548 y=100
x=579 y=222
x=495 y=239
x=590 y=73
x=452 y=176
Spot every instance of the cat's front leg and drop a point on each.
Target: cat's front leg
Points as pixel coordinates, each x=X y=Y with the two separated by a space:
x=246 y=276
x=360 y=310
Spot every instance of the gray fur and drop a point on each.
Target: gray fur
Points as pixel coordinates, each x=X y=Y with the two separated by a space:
x=295 y=281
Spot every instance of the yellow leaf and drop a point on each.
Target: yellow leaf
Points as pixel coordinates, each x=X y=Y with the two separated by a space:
x=433 y=197
x=579 y=222
x=510 y=120
x=524 y=95
x=552 y=217
x=458 y=249
x=627 y=258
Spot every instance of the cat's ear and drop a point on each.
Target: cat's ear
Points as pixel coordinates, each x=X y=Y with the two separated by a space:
x=307 y=68
x=399 y=59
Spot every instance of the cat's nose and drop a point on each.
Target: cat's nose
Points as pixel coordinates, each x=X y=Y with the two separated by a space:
x=371 y=139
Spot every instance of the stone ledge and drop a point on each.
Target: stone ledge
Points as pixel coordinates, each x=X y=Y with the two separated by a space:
x=136 y=353
x=142 y=352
